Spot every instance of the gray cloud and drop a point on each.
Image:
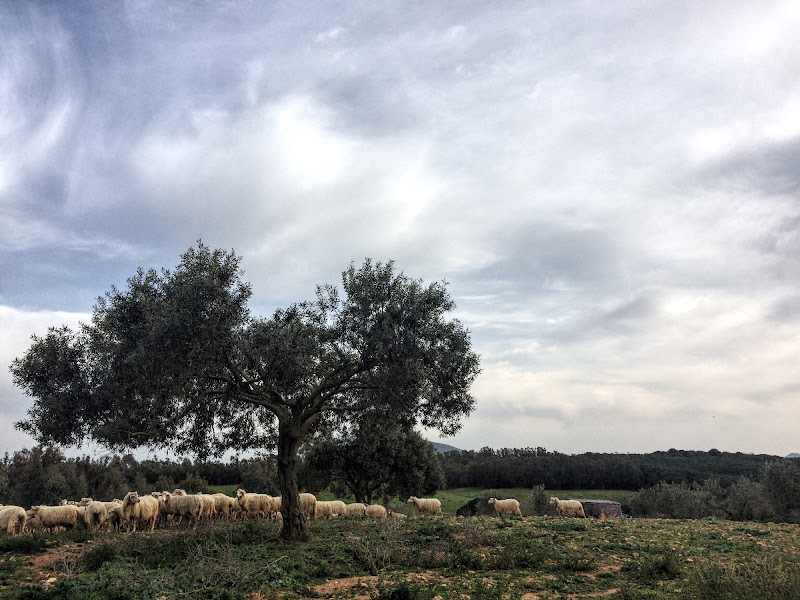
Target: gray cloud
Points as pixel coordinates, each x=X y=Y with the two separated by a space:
x=609 y=190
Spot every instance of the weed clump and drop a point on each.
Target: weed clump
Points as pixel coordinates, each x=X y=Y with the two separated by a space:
x=95 y=558
x=765 y=578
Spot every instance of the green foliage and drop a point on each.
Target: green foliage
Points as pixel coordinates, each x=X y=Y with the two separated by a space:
x=194 y=483
x=539 y=503
x=41 y=476
x=763 y=578
x=781 y=480
x=679 y=501
x=24 y=544
x=479 y=557
x=96 y=557
x=403 y=591
x=372 y=460
x=772 y=498
x=652 y=567
x=528 y=467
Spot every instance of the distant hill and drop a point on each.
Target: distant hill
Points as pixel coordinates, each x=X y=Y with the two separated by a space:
x=793 y=455
x=442 y=448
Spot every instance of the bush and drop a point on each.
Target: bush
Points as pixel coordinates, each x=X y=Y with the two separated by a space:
x=781 y=481
x=747 y=500
x=193 y=484
x=766 y=578
x=95 y=558
x=676 y=501
x=539 y=504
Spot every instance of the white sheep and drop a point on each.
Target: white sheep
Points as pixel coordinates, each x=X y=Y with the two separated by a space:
x=179 y=506
x=339 y=508
x=12 y=519
x=224 y=505
x=114 y=515
x=506 y=507
x=139 y=510
x=432 y=505
x=275 y=509
x=393 y=514
x=209 y=506
x=249 y=504
x=376 y=511
x=308 y=504
x=570 y=508
x=97 y=514
x=356 y=509
x=55 y=516
x=325 y=509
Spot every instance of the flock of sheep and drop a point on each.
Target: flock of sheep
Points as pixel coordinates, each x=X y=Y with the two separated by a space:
x=145 y=512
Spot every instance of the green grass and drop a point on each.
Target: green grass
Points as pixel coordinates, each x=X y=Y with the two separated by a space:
x=420 y=558
x=229 y=490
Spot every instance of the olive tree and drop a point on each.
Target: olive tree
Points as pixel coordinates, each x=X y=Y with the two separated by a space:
x=177 y=361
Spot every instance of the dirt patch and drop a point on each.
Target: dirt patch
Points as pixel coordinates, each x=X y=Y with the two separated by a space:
x=357 y=588
x=56 y=563
x=363 y=588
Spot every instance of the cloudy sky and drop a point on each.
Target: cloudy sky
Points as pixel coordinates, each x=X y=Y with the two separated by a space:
x=611 y=189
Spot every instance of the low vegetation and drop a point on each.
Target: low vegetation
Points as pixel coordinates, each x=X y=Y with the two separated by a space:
x=419 y=558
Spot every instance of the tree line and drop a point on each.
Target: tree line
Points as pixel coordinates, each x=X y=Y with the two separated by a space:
x=43 y=475
x=378 y=465
x=529 y=467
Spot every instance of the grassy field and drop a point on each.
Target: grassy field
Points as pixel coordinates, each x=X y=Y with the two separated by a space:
x=422 y=558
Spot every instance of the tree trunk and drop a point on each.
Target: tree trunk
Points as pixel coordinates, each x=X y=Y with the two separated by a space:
x=295 y=527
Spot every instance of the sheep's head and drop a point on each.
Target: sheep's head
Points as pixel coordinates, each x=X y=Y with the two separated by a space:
x=492 y=500
x=179 y=492
x=553 y=500
x=411 y=500
x=239 y=493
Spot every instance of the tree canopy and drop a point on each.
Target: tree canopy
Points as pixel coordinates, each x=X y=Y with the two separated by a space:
x=177 y=361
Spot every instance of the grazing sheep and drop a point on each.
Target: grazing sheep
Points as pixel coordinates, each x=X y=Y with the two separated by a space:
x=339 y=508
x=393 y=514
x=12 y=519
x=55 y=516
x=224 y=505
x=325 y=509
x=356 y=509
x=570 y=508
x=139 y=510
x=506 y=507
x=308 y=504
x=179 y=506
x=432 y=505
x=98 y=514
x=376 y=511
